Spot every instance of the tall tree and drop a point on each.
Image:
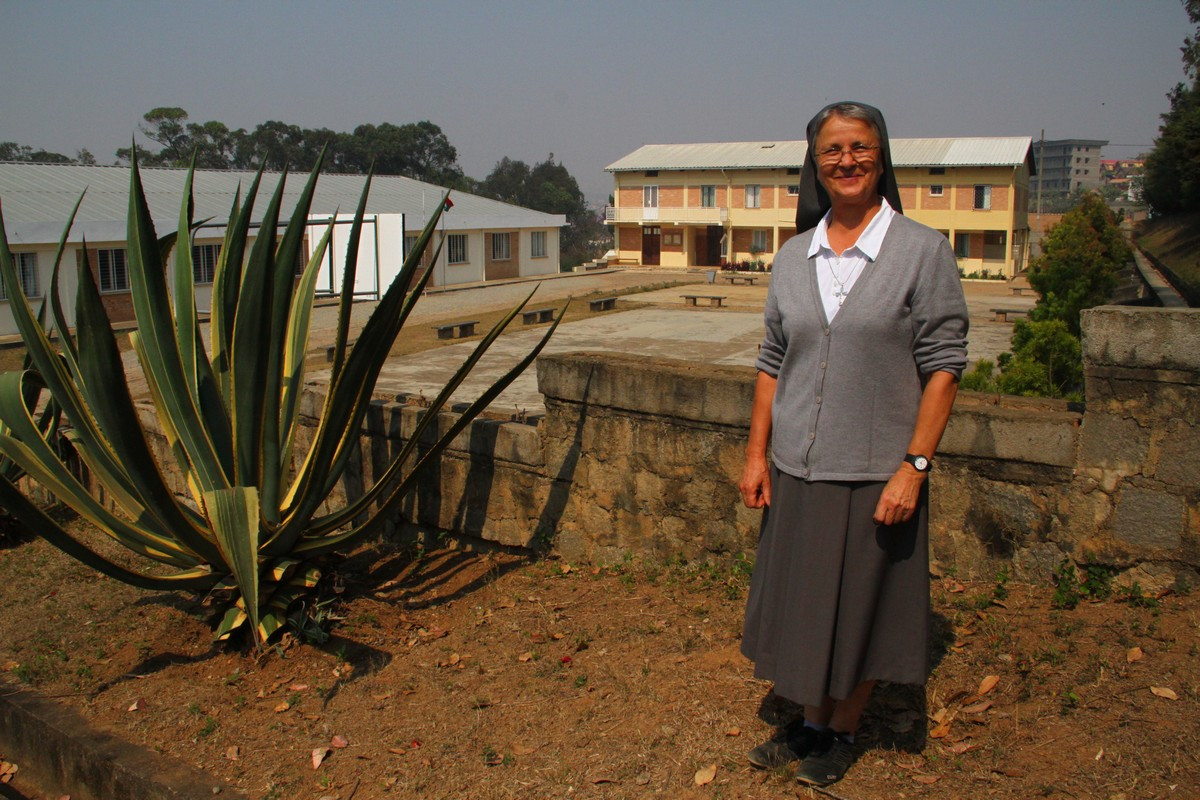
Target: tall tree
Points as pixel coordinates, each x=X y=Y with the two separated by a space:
x=1172 y=180
x=417 y=150
x=1081 y=256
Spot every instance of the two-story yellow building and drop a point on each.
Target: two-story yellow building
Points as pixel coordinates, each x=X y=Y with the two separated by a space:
x=702 y=205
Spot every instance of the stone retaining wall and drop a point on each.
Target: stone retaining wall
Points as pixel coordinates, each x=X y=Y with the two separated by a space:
x=640 y=456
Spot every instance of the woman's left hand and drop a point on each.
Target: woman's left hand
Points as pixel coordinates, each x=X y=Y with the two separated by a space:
x=898 y=502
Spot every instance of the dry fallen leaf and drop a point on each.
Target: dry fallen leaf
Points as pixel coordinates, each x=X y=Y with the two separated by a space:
x=284 y=706
x=1134 y=654
x=397 y=750
x=734 y=732
x=138 y=705
x=987 y=684
x=978 y=708
x=525 y=657
x=297 y=687
x=604 y=780
x=942 y=729
x=958 y=748
x=1099 y=754
x=318 y=755
x=338 y=742
x=705 y=776
x=233 y=753
x=565 y=569
x=1164 y=692
x=927 y=779
x=522 y=749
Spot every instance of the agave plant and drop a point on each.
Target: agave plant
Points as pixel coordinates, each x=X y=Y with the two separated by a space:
x=254 y=521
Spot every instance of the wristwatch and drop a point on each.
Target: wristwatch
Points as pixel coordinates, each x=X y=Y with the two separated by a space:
x=920 y=463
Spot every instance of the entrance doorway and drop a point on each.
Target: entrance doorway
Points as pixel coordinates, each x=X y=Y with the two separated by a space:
x=708 y=246
x=651 y=245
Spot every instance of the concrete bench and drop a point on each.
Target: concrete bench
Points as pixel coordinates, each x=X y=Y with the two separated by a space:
x=537 y=315
x=1020 y=290
x=735 y=279
x=1002 y=314
x=714 y=300
x=602 y=304
x=456 y=330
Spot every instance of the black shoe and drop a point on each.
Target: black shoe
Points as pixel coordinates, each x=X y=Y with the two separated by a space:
x=790 y=743
x=822 y=768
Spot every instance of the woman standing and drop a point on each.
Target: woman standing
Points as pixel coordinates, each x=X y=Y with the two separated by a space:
x=865 y=341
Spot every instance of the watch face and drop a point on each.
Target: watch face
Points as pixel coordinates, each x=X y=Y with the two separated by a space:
x=921 y=463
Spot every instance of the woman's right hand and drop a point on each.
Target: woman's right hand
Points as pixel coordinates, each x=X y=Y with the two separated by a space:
x=755 y=484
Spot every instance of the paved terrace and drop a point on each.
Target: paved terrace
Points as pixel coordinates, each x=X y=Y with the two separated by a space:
x=655 y=323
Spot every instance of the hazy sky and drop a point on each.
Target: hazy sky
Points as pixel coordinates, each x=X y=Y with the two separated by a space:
x=590 y=81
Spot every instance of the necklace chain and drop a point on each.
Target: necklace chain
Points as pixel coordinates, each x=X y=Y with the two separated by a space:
x=840 y=291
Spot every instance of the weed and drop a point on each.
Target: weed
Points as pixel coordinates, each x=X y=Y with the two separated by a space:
x=1070 y=701
x=210 y=725
x=1000 y=590
x=1050 y=655
x=194 y=709
x=580 y=681
x=1135 y=596
x=1069 y=590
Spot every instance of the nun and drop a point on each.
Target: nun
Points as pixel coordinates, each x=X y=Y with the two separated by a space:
x=865 y=341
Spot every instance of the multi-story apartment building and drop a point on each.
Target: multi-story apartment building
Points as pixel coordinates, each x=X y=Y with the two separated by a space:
x=695 y=205
x=1064 y=165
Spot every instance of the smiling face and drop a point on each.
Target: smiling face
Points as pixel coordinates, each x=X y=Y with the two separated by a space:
x=848 y=181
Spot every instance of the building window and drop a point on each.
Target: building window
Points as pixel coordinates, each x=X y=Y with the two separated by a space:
x=753 y=195
x=649 y=197
x=500 y=248
x=983 y=197
x=793 y=189
x=936 y=190
x=114 y=277
x=793 y=171
x=456 y=248
x=994 y=245
x=708 y=196
x=962 y=245
x=651 y=173
x=409 y=243
x=937 y=170
x=204 y=262
x=26 y=264
x=673 y=238
x=537 y=244
x=758 y=241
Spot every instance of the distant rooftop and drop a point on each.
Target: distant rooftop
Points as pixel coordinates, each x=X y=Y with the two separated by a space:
x=983 y=151
x=36 y=200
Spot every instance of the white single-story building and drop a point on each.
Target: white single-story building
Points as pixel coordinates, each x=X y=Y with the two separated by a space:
x=485 y=239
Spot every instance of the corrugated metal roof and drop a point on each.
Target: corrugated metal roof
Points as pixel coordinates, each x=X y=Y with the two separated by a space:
x=955 y=152
x=36 y=200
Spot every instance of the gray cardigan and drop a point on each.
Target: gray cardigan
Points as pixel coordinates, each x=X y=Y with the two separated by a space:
x=848 y=392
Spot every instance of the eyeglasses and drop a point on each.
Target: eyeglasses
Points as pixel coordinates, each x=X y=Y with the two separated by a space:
x=858 y=151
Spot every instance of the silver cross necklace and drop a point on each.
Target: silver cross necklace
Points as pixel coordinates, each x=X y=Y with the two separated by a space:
x=840 y=291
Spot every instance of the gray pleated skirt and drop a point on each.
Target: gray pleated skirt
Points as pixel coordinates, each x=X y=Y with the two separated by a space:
x=835 y=599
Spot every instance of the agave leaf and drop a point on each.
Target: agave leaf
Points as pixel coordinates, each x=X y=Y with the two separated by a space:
x=251 y=328
x=299 y=327
x=234 y=515
x=349 y=276
x=56 y=311
x=106 y=392
x=316 y=544
x=235 y=617
x=156 y=328
x=281 y=292
x=350 y=391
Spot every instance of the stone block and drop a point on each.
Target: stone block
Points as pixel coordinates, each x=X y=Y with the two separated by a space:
x=1179 y=455
x=1110 y=442
x=1148 y=519
x=1142 y=338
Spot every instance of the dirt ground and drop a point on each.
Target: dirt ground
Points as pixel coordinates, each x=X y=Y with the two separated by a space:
x=451 y=674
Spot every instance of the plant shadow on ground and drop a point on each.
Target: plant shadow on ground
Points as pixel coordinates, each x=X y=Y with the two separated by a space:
x=486 y=675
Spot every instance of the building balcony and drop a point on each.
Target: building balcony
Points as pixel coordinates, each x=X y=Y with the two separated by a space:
x=665 y=215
